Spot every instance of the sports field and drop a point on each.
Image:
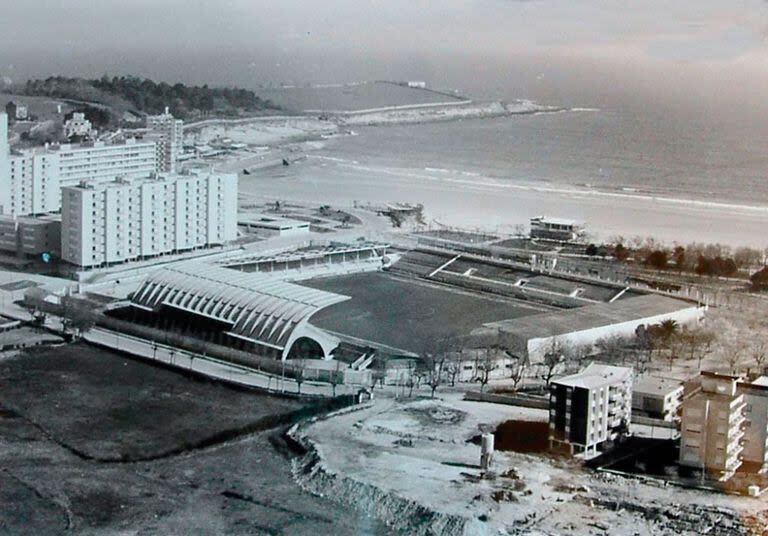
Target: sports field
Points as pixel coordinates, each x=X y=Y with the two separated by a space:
x=407 y=314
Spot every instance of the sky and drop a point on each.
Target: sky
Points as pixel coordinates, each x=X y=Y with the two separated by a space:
x=556 y=49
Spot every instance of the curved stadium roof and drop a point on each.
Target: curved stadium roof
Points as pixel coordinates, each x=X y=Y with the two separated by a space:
x=257 y=306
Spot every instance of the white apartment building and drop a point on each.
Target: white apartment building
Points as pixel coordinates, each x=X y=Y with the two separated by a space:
x=100 y=162
x=169 y=134
x=712 y=425
x=106 y=223
x=32 y=183
x=657 y=397
x=30 y=180
x=5 y=166
x=590 y=408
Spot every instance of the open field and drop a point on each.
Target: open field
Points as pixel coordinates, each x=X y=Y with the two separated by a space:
x=406 y=314
x=214 y=458
x=350 y=97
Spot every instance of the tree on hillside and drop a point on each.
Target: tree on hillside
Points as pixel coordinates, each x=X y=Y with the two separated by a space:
x=678 y=256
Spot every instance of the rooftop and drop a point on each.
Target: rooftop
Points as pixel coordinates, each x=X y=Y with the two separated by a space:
x=595 y=376
x=656 y=385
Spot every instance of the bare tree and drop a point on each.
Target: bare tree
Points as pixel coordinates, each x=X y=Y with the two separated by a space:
x=298 y=371
x=34 y=301
x=336 y=377
x=611 y=348
x=517 y=371
x=76 y=315
x=485 y=367
x=453 y=365
x=553 y=357
x=759 y=352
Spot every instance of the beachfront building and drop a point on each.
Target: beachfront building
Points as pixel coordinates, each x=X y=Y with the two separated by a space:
x=657 y=397
x=110 y=222
x=589 y=409
x=556 y=229
x=78 y=125
x=712 y=425
x=169 y=134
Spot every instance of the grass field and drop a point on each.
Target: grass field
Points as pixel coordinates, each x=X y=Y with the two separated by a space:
x=404 y=314
x=69 y=415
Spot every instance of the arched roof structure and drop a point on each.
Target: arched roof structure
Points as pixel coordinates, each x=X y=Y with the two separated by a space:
x=258 y=307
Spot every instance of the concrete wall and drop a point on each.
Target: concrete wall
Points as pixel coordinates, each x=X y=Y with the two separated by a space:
x=537 y=347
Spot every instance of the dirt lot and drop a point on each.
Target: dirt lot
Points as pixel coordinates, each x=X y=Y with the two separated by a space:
x=94 y=443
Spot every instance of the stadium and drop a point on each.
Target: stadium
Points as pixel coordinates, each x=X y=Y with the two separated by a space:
x=353 y=302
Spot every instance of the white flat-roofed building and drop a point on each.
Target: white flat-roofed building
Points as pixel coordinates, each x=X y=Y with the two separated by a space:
x=101 y=162
x=169 y=134
x=556 y=228
x=275 y=225
x=106 y=223
x=590 y=408
x=656 y=397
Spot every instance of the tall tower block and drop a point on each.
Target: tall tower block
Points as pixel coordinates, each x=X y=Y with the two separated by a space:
x=5 y=166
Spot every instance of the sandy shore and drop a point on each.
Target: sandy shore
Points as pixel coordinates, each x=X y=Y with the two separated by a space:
x=470 y=200
x=464 y=198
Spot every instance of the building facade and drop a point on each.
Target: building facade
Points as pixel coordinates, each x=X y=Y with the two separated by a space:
x=30 y=237
x=590 y=408
x=556 y=229
x=712 y=425
x=168 y=132
x=5 y=167
x=755 y=453
x=33 y=183
x=127 y=219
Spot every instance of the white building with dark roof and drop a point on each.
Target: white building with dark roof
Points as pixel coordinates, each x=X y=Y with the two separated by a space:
x=590 y=408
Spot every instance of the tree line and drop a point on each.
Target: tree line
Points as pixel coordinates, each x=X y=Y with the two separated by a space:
x=147 y=96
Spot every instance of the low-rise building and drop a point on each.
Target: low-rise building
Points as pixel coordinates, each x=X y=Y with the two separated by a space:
x=78 y=125
x=106 y=223
x=656 y=397
x=275 y=225
x=712 y=425
x=556 y=229
x=30 y=237
x=590 y=408
x=17 y=111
